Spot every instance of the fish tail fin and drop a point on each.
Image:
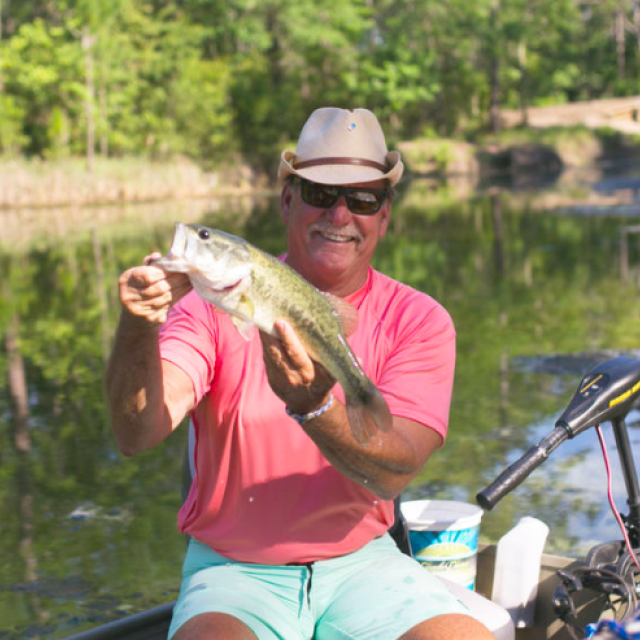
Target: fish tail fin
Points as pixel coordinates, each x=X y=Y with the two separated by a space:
x=368 y=415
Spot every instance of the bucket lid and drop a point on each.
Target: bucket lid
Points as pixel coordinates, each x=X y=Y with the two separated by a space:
x=440 y=515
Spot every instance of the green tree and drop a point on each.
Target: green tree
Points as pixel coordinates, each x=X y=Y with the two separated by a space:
x=42 y=72
x=163 y=97
x=290 y=57
x=209 y=77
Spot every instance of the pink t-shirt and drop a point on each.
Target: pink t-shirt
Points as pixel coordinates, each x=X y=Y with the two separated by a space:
x=262 y=491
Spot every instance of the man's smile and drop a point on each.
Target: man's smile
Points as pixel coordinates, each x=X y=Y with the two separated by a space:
x=332 y=234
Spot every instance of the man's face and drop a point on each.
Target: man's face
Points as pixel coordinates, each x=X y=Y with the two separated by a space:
x=332 y=246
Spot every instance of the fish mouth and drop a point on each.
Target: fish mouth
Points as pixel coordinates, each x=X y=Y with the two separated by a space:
x=179 y=242
x=228 y=288
x=174 y=258
x=178 y=249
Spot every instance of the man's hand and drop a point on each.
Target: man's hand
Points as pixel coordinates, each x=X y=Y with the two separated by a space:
x=147 y=292
x=302 y=384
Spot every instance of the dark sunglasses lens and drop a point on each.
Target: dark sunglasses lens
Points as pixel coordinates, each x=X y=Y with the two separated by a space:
x=364 y=203
x=318 y=195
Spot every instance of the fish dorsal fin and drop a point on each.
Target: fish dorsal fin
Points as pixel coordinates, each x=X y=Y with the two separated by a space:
x=346 y=311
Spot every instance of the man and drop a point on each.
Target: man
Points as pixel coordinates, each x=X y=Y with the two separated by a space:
x=287 y=512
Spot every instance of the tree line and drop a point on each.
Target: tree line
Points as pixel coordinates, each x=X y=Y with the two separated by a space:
x=216 y=79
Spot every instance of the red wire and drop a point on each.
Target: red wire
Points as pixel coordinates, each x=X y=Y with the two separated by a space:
x=614 y=509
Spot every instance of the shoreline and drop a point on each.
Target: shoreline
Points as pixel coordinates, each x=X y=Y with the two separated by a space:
x=36 y=184
x=48 y=201
x=33 y=184
x=27 y=228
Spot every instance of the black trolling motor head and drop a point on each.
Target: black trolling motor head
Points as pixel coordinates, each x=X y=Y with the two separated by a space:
x=607 y=392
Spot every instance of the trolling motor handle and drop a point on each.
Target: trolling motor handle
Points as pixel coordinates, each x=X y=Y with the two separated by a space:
x=516 y=473
x=606 y=393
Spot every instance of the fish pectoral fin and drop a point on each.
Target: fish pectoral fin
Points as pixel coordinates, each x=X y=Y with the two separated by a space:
x=244 y=328
x=246 y=307
x=243 y=321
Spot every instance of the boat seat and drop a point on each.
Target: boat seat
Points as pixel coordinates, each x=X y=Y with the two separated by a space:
x=493 y=616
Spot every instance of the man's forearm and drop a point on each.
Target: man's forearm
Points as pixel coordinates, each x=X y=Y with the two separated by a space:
x=387 y=464
x=134 y=386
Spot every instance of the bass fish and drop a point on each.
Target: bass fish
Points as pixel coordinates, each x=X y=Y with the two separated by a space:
x=256 y=289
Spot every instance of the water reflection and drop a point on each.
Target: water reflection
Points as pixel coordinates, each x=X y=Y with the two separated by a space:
x=88 y=535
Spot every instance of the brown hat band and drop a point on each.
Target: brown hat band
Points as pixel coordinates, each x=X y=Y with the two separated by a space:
x=340 y=160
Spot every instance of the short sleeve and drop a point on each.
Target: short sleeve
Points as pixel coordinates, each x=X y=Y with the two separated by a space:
x=188 y=340
x=417 y=381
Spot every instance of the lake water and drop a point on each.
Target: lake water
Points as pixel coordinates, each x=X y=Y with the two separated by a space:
x=541 y=283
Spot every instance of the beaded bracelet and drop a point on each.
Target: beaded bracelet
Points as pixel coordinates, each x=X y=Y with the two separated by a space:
x=301 y=418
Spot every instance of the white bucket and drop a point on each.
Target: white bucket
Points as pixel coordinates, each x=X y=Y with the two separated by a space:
x=444 y=537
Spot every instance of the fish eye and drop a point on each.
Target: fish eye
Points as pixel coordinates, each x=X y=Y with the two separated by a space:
x=204 y=234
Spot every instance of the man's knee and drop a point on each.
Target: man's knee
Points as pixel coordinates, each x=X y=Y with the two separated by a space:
x=448 y=626
x=211 y=626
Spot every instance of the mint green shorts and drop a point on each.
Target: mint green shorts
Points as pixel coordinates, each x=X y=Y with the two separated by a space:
x=375 y=593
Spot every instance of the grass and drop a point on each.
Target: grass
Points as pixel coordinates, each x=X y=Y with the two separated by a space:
x=35 y=183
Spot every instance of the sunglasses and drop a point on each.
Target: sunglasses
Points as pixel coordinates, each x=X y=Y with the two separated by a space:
x=360 y=200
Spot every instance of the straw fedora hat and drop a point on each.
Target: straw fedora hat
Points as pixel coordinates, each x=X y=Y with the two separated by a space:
x=340 y=146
